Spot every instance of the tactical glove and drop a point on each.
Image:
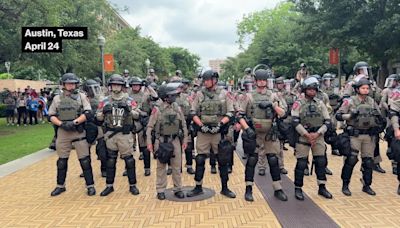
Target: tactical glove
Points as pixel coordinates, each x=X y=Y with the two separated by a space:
x=250 y=133
x=68 y=126
x=205 y=129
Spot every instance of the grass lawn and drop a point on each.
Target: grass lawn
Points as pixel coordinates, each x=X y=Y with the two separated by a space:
x=16 y=142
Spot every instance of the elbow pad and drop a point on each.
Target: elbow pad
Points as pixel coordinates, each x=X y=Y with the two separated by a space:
x=392 y=113
x=328 y=123
x=295 y=121
x=339 y=116
x=89 y=115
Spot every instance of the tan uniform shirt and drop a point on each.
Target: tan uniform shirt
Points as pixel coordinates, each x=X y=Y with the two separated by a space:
x=53 y=110
x=155 y=118
x=296 y=109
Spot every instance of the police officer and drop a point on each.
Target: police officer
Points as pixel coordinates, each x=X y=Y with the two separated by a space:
x=394 y=115
x=364 y=121
x=212 y=110
x=143 y=98
x=263 y=107
x=69 y=111
x=95 y=95
x=388 y=96
x=183 y=100
x=166 y=122
x=152 y=77
x=177 y=77
x=283 y=94
x=362 y=70
x=118 y=112
x=311 y=120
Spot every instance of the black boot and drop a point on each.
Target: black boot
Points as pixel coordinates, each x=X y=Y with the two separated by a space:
x=261 y=172
x=379 y=169
x=147 y=172
x=213 y=170
x=228 y=193
x=198 y=190
x=367 y=189
x=57 y=191
x=280 y=195
x=179 y=195
x=328 y=171
x=107 y=191
x=284 y=171
x=229 y=169
x=248 y=196
x=322 y=191
x=335 y=152
x=141 y=157
x=125 y=173
x=394 y=170
x=190 y=170
x=345 y=188
x=161 y=196
x=306 y=171
x=91 y=191
x=103 y=173
x=134 y=190
x=81 y=175
x=298 y=193
x=398 y=190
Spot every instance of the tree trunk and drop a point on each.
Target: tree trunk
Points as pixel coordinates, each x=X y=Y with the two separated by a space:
x=383 y=73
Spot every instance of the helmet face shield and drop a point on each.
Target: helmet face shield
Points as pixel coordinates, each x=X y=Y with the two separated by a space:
x=288 y=85
x=389 y=83
x=270 y=83
x=95 y=90
x=248 y=86
x=363 y=70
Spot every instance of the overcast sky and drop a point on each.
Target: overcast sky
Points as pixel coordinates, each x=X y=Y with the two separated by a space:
x=204 y=27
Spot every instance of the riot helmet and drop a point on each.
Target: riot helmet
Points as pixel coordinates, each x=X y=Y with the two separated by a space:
x=168 y=92
x=247 y=70
x=392 y=81
x=361 y=68
x=310 y=83
x=248 y=85
x=116 y=79
x=92 y=88
x=262 y=74
x=359 y=83
x=70 y=78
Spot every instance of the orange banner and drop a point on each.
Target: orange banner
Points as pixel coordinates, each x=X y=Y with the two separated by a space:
x=334 y=56
x=108 y=63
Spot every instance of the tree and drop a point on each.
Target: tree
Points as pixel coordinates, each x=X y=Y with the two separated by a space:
x=371 y=27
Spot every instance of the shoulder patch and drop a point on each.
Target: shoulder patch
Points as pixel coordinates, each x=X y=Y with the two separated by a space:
x=296 y=105
x=154 y=111
x=346 y=102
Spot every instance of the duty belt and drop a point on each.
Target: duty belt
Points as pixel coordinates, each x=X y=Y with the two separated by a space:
x=312 y=129
x=166 y=137
x=355 y=132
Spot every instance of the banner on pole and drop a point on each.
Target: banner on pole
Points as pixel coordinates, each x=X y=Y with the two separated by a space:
x=334 y=56
x=108 y=63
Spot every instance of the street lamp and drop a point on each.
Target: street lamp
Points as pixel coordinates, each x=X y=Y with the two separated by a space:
x=147 y=62
x=8 y=64
x=101 y=41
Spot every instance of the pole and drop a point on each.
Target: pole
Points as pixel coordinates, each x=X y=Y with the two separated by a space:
x=102 y=66
x=340 y=77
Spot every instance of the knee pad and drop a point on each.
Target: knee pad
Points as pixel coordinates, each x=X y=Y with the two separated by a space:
x=320 y=161
x=252 y=160
x=301 y=164
x=351 y=160
x=129 y=162
x=272 y=159
x=201 y=159
x=112 y=154
x=85 y=163
x=368 y=163
x=62 y=163
x=190 y=147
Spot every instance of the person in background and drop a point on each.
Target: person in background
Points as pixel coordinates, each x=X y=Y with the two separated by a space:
x=21 y=108
x=10 y=106
x=33 y=106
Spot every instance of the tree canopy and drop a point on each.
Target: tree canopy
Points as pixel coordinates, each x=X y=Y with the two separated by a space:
x=82 y=57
